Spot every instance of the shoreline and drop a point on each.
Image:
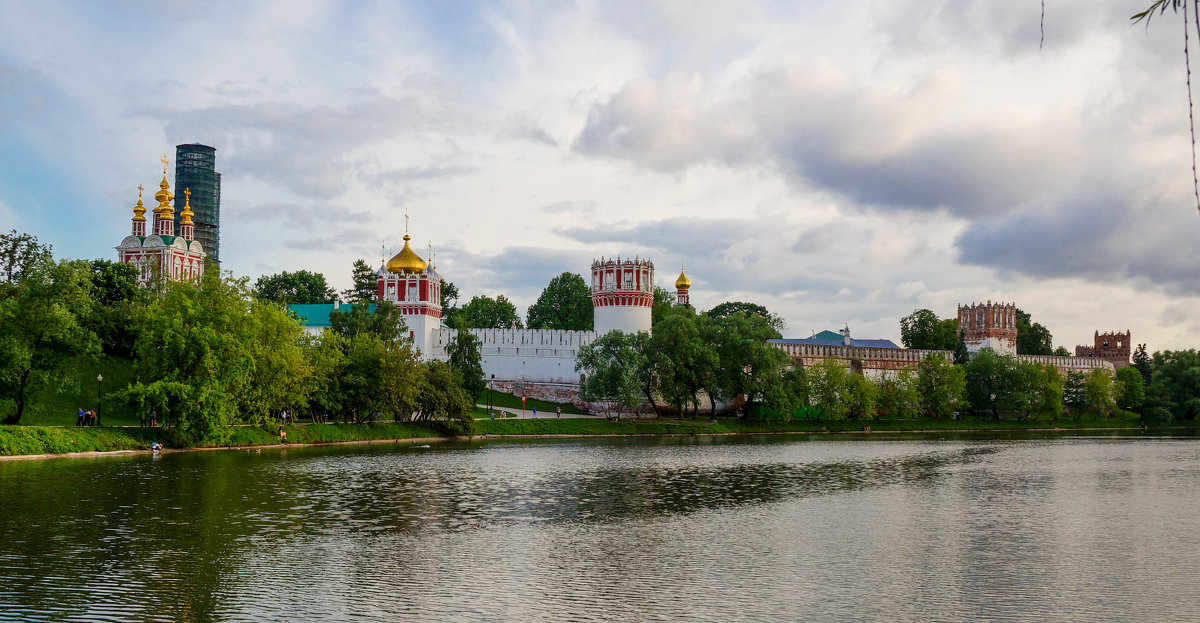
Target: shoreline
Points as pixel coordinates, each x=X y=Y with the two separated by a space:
x=495 y=436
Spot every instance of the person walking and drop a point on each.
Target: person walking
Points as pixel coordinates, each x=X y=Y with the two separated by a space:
x=153 y=418
x=557 y=411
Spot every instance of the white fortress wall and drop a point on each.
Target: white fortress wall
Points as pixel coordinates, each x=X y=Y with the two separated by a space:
x=531 y=355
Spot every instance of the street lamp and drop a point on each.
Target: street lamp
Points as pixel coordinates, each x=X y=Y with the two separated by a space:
x=491 y=386
x=99 y=381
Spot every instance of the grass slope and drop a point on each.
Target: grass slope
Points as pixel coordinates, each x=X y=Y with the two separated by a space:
x=501 y=399
x=50 y=406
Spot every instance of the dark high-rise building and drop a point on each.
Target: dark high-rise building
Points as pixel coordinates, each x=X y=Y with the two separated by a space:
x=195 y=170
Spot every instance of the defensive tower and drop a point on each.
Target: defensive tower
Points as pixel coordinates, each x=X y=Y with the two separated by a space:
x=622 y=294
x=415 y=287
x=1112 y=347
x=989 y=325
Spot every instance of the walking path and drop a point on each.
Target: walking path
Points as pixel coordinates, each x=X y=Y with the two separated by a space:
x=529 y=413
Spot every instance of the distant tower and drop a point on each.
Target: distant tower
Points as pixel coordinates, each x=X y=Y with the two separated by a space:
x=681 y=289
x=1112 y=347
x=195 y=169
x=622 y=294
x=989 y=325
x=416 y=288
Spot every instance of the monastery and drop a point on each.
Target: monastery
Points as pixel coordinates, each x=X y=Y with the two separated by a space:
x=541 y=363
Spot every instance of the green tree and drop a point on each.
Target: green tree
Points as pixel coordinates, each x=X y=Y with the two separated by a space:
x=195 y=356
x=380 y=378
x=961 y=354
x=366 y=284
x=1074 y=393
x=991 y=382
x=610 y=366
x=1141 y=362
x=449 y=301
x=442 y=399
x=1061 y=351
x=941 y=385
x=466 y=359
x=899 y=395
x=18 y=253
x=829 y=388
x=1032 y=337
x=483 y=312
x=1175 y=384
x=565 y=303
x=663 y=300
x=753 y=310
x=1100 y=392
x=1052 y=388
x=924 y=330
x=1131 y=389
x=382 y=320
x=863 y=396
x=116 y=295
x=683 y=360
x=326 y=355
x=281 y=376
x=748 y=364
x=42 y=333
x=299 y=288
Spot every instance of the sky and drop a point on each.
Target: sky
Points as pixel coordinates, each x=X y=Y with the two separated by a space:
x=841 y=163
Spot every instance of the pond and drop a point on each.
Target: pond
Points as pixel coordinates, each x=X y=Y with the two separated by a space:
x=769 y=528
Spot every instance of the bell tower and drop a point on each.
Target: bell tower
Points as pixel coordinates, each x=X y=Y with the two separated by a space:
x=622 y=294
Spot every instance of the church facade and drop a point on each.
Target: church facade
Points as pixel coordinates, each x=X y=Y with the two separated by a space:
x=160 y=253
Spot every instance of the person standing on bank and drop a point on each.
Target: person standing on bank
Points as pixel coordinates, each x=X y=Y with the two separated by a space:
x=79 y=420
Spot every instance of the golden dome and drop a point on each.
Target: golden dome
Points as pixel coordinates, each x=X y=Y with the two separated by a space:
x=185 y=217
x=139 y=210
x=406 y=261
x=163 y=197
x=682 y=283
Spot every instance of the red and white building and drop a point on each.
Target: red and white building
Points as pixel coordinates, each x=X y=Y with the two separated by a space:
x=160 y=253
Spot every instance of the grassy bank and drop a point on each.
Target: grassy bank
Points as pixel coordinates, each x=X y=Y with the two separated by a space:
x=508 y=401
x=17 y=440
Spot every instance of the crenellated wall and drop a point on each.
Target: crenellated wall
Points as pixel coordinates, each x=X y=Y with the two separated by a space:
x=876 y=362
x=530 y=355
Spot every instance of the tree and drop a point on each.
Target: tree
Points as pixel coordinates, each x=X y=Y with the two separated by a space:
x=663 y=300
x=683 y=360
x=19 y=253
x=326 y=355
x=1032 y=337
x=748 y=364
x=42 y=333
x=566 y=303
x=1141 y=362
x=380 y=377
x=382 y=320
x=609 y=367
x=1175 y=384
x=442 y=399
x=483 y=312
x=449 y=301
x=1131 y=389
x=466 y=360
x=299 y=288
x=899 y=395
x=774 y=321
x=961 y=354
x=992 y=382
x=922 y=329
x=366 y=283
x=212 y=356
x=1100 y=392
x=114 y=290
x=1074 y=394
x=940 y=385
x=1061 y=351
x=829 y=388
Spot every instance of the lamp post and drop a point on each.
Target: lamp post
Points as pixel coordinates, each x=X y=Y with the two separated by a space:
x=491 y=386
x=99 y=384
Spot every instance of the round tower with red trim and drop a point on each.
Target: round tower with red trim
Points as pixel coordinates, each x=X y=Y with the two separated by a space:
x=622 y=294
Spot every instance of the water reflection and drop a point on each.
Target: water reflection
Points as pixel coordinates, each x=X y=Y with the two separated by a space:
x=628 y=529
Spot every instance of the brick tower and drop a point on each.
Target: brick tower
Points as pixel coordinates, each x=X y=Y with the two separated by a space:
x=622 y=294
x=989 y=325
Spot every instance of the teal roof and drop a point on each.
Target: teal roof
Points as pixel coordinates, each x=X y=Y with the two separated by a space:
x=827 y=335
x=167 y=240
x=317 y=315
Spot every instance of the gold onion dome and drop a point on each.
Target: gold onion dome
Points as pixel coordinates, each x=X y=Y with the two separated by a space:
x=139 y=210
x=187 y=214
x=682 y=283
x=164 y=196
x=406 y=261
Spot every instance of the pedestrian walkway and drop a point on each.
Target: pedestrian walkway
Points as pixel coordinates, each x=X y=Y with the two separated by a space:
x=541 y=415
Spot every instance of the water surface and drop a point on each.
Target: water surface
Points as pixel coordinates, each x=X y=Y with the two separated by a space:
x=677 y=529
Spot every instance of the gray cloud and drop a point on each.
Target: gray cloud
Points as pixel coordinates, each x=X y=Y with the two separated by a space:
x=307 y=148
